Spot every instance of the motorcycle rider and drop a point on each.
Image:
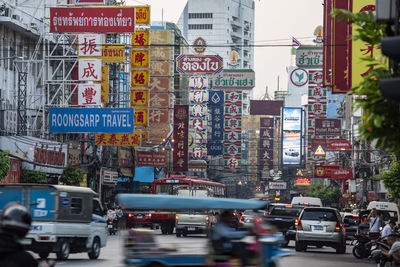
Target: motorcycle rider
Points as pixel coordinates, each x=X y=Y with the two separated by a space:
x=14 y=225
x=374 y=224
x=388 y=229
x=393 y=241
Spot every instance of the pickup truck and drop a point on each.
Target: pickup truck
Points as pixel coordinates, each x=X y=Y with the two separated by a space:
x=283 y=218
x=193 y=223
x=65 y=219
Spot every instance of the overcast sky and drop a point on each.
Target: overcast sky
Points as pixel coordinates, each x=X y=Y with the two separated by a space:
x=275 y=23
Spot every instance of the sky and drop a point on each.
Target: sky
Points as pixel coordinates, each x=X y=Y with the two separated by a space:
x=276 y=21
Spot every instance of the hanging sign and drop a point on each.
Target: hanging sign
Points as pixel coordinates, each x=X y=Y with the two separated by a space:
x=192 y=64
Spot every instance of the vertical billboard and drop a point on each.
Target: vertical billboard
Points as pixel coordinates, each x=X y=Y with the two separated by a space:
x=266 y=146
x=216 y=106
x=181 y=120
x=291 y=136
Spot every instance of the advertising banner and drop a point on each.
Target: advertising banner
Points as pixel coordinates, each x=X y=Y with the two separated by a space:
x=92 y=19
x=338 y=144
x=162 y=53
x=91 y=120
x=151 y=159
x=161 y=37
x=216 y=106
x=215 y=148
x=328 y=37
x=298 y=80
x=277 y=185
x=160 y=100
x=140 y=39
x=89 y=94
x=266 y=107
x=342 y=174
x=217 y=122
x=241 y=79
x=328 y=127
x=181 y=120
x=292 y=119
x=266 y=144
x=291 y=147
x=325 y=171
x=302 y=181
x=195 y=64
x=334 y=108
x=89 y=69
x=139 y=78
x=119 y=139
x=90 y=45
x=141 y=116
x=309 y=57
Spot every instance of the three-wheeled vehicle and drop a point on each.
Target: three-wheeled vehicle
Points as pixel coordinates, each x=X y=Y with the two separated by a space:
x=141 y=248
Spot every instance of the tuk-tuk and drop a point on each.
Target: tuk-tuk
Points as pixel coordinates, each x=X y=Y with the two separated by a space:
x=142 y=249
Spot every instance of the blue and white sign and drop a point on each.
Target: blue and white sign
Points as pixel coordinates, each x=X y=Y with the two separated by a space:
x=215 y=148
x=291 y=119
x=65 y=202
x=217 y=122
x=91 y=120
x=216 y=98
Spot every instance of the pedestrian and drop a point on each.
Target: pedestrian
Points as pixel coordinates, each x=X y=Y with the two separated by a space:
x=374 y=224
x=14 y=225
x=388 y=229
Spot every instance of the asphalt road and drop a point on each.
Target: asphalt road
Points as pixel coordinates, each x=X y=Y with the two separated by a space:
x=112 y=254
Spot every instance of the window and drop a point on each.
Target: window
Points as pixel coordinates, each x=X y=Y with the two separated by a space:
x=319 y=214
x=285 y=211
x=97 y=208
x=76 y=205
x=200 y=15
x=200 y=26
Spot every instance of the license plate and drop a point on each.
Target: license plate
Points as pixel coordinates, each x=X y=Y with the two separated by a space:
x=26 y=241
x=318 y=228
x=191 y=228
x=139 y=217
x=109 y=226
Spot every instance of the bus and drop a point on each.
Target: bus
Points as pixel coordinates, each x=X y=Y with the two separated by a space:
x=181 y=185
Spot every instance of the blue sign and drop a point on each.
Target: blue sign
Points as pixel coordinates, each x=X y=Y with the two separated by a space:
x=91 y=120
x=65 y=202
x=217 y=122
x=216 y=98
x=215 y=148
x=334 y=107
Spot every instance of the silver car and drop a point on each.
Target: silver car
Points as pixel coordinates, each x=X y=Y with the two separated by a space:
x=319 y=227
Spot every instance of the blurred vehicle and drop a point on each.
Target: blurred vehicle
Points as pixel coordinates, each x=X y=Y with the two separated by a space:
x=307 y=201
x=139 y=219
x=65 y=219
x=319 y=227
x=292 y=152
x=283 y=218
x=350 y=223
x=193 y=222
x=246 y=220
x=272 y=205
x=112 y=226
x=389 y=209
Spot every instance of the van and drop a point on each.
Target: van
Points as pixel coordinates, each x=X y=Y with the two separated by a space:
x=389 y=209
x=65 y=219
x=307 y=201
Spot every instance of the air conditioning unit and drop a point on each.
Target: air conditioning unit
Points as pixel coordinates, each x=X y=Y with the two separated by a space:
x=16 y=17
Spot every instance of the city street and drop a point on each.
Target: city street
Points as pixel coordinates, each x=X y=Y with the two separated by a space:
x=112 y=254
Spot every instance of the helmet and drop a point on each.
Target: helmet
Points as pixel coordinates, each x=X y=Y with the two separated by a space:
x=16 y=219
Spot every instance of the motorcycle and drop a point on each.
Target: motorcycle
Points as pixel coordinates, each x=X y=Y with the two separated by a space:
x=378 y=256
x=112 y=226
x=362 y=248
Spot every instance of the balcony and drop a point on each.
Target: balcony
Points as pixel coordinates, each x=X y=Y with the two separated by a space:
x=236 y=34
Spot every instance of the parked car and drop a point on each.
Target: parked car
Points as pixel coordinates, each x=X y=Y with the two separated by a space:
x=319 y=227
x=350 y=223
x=292 y=152
x=139 y=219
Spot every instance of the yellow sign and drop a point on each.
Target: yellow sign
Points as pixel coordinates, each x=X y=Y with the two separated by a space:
x=140 y=98
x=140 y=39
x=361 y=49
x=140 y=59
x=319 y=151
x=112 y=53
x=139 y=78
x=141 y=116
x=142 y=15
x=118 y=139
x=104 y=84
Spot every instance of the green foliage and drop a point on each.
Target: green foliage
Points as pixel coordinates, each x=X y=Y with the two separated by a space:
x=72 y=176
x=391 y=178
x=34 y=177
x=4 y=164
x=380 y=116
x=328 y=195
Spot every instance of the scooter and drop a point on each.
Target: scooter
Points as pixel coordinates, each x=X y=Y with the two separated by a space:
x=377 y=254
x=362 y=248
x=112 y=226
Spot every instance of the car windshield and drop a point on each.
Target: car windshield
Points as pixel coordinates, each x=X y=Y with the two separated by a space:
x=319 y=215
x=350 y=220
x=286 y=211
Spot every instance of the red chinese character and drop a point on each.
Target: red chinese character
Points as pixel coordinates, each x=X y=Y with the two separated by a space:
x=232 y=163
x=233 y=96
x=232 y=123
x=113 y=139
x=139 y=58
x=88 y=94
x=89 y=46
x=232 y=136
x=135 y=139
x=89 y=71
x=233 y=109
x=232 y=150
x=139 y=39
x=140 y=117
x=139 y=96
x=101 y=140
x=125 y=139
x=139 y=78
x=317 y=108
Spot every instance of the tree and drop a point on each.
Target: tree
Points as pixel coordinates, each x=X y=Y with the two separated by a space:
x=380 y=121
x=72 y=176
x=328 y=195
x=34 y=177
x=4 y=164
x=391 y=178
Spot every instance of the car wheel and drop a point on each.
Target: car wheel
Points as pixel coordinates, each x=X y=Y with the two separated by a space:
x=63 y=253
x=44 y=255
x=300 y=246
x=95 y=249
x=341 y=249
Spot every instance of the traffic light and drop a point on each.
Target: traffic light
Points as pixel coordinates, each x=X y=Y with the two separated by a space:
x=390 y=88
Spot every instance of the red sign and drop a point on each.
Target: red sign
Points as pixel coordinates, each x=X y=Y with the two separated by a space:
x=151 y=159
x=92 y=19
x=181 y=123
x=50 y=157
x=338 y=144
x=300 y=181
x=342 y=174
x=192 y=64
x=328 y=127
x=325 y=171
x=89 y=2
x=266 y=107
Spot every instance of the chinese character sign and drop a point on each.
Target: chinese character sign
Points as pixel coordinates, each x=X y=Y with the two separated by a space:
x=140 y=98
x=232 y=129
x=89 y=69
x=141 y=39
x=266 y=144
x=105 y=84
x=90 y=45
x=216 y=105
x=89 y=94
x=141 y=116
x=119 y=139
x=140 y=59
x=181 y=120
x=142 y=15
x=139 y=78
